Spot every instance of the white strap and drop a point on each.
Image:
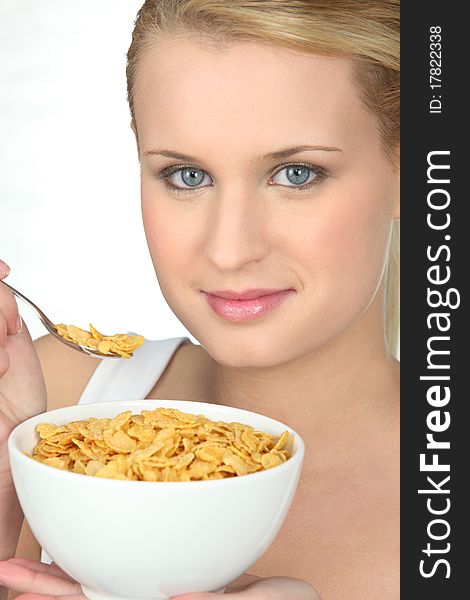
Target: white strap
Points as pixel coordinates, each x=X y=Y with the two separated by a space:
x=130 y=379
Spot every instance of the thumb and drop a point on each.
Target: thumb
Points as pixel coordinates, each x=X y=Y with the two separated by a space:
x=274 y=588
x=236 y=585
x=199 y=596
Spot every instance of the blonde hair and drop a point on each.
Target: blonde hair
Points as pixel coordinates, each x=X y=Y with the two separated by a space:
x=365 y=30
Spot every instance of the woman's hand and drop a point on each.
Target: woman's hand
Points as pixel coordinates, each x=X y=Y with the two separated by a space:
x=38 y=581
x=22 y=395
x=250 y=587
x=22 y=387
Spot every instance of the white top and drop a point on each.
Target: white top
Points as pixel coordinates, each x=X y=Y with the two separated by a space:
x=129 y=379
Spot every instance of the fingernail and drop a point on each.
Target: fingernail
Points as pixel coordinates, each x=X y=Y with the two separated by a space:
x=19 y=325
x=4 y=268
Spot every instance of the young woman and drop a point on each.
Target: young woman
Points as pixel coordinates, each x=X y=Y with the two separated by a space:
x=268 y=136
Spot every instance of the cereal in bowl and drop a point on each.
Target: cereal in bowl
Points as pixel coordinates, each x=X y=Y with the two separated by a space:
x=164 y=444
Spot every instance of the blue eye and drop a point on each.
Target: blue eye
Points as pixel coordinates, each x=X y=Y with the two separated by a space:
x=298 y=175
x=295 y=176
x=186 y=178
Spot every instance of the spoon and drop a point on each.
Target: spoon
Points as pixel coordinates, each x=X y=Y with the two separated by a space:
x=51 y=328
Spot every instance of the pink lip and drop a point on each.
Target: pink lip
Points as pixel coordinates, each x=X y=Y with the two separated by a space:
x=248 y=305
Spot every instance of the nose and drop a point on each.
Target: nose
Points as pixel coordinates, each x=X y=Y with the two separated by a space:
x=236 y=233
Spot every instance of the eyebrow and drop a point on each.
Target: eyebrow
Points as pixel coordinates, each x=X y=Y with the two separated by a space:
x=279 y=154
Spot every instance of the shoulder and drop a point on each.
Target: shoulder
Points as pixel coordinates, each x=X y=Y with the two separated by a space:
x=66 y=371
x=186 y=376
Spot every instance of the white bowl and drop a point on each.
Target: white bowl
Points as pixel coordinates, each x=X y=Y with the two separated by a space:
x=139 y=539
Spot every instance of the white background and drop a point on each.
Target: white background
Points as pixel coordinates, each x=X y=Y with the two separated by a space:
x=70 y=221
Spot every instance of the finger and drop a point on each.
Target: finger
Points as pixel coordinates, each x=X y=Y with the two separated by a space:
x=278 y=588
x=4 y=269
x=198 y=596
x=3 y=330
x=274 y=588
x=41 y=567
x=9 y=309
x=241 y=582
x=238 y=584
x=50 y=597
x=23 y=579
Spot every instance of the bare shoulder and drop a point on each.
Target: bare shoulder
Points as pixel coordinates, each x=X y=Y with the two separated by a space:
x=65 y=370
x=187 y=375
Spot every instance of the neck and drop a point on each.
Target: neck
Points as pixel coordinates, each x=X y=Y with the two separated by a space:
x=345 y=389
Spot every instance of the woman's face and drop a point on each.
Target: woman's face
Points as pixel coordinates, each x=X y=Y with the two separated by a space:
x=316 y=221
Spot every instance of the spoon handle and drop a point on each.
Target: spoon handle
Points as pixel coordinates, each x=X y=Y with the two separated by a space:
x=47 y=322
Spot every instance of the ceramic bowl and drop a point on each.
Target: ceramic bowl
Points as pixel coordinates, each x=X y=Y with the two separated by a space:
x=152 y=540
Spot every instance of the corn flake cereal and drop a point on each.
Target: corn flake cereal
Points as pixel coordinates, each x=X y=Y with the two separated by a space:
x=164 y=444
x=119 y=344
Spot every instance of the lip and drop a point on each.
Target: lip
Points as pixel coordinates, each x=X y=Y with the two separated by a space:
x=248 y=305
x=246 y=295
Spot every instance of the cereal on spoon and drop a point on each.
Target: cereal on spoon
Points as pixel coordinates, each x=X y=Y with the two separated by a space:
x=119 y=344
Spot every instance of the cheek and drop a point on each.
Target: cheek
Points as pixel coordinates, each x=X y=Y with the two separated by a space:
x=344 y=241
x=169 y=234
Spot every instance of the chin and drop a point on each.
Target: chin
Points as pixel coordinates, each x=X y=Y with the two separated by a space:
x=248 y=351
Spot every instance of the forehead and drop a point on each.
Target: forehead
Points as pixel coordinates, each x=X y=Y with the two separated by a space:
x=248 y=92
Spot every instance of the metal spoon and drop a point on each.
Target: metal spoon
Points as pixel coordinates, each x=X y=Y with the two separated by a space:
x=51 y=328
